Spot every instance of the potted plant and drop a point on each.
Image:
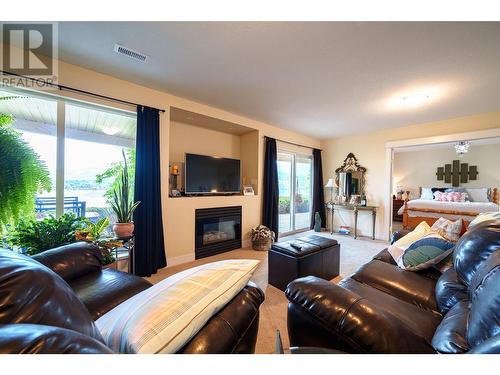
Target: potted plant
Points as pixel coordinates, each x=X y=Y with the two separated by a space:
x=262 y=238
x=122 y=205
x=94 y=233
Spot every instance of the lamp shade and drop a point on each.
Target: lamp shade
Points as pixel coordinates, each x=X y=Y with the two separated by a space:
x=330 y=183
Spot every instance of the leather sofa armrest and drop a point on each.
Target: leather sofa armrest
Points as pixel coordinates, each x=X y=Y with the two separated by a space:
x=490 y=346
x=323 y=314
x=42 y=339
x=233 y=329
x=399 y=234
x=72 y=261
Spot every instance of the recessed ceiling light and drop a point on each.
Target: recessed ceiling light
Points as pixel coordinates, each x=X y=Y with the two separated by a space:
x=110 y=130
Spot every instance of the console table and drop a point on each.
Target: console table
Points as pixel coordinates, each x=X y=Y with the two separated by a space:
x=348 y=207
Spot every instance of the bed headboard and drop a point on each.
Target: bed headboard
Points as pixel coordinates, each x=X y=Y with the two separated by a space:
x=494 y=194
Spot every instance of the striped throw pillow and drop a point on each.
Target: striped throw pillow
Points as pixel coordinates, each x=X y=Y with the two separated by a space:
x=163 y=318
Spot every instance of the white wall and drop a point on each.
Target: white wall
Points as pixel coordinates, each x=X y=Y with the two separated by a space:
x=418 y=168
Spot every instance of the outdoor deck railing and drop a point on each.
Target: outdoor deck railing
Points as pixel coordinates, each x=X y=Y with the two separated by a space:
x=44 y=204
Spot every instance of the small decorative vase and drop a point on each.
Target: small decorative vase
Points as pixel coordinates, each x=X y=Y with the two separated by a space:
x=317 y=222
x=123 y=230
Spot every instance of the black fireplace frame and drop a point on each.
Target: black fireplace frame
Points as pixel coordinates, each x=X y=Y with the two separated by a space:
x=204 y=214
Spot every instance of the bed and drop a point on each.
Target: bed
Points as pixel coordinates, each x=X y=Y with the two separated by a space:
x=417 y=210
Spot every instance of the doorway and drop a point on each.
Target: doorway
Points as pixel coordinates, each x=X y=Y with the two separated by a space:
x=295 y=192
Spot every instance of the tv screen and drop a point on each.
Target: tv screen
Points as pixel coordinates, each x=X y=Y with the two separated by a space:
x=211 y=175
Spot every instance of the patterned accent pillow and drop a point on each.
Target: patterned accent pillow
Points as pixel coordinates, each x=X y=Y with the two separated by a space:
x=450 y=230
x=425 y=253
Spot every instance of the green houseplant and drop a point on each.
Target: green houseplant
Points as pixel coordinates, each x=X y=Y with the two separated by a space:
x=34 y=236
x=22 y=174
x=123 y=205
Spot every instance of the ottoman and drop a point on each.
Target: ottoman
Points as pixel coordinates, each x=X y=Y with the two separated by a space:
x=306 y=256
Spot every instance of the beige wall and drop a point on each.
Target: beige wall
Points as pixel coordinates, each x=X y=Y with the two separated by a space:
x=418 y=168
x=185 y=138
x=178 y=214
x=370 y=150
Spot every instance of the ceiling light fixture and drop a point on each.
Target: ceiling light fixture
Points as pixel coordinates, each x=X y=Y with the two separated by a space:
x=110 y=130
x=415 y=97
x=462 y=147
x=415 y=100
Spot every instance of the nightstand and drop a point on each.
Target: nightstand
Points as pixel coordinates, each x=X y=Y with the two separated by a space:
x=396 y=205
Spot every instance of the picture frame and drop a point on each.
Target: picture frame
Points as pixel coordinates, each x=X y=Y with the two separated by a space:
x=355 y=200
x=248 y=190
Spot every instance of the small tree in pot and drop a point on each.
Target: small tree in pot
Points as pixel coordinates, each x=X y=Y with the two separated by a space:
x=122 y=205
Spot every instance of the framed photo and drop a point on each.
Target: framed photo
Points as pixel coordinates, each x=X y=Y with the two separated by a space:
x=355 y=200
x=248 y=190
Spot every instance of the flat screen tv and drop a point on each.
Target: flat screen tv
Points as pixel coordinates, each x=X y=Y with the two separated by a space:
x=211 y=175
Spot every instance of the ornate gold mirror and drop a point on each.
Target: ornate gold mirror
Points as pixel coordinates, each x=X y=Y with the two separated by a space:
x=350 y=177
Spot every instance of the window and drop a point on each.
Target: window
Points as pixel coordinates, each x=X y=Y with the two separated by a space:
x=93 y=139
x=294 y=180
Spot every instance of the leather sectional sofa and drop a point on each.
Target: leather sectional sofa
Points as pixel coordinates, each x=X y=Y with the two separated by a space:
x=384 y=309
x=48 y=304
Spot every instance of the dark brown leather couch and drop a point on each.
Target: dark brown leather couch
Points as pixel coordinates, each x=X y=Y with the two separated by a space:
x=48 y=304
x=384 y=309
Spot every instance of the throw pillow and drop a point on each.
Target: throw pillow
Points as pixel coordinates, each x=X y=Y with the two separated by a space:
x=486 y=216
x=163 y=318
x=450 y=230
x=425 y=252
x=478 y=195
x=427 y=194
x=397 y=248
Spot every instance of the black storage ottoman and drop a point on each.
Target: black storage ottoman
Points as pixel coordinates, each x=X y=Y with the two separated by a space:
x=306 y=256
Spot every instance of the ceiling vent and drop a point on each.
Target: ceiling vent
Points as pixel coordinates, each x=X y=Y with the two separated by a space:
x=130 y=53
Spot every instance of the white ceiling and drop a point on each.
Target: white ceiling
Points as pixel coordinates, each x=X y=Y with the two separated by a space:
x=325 y=79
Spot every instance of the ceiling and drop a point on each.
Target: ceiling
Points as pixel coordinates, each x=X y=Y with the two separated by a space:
x=324 y=79
x=88 y=123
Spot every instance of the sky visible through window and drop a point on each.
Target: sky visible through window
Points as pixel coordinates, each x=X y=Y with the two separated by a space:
x=83 y=161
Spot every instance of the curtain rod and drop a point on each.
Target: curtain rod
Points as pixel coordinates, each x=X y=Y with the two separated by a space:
x=67 y=88
x=291 y=143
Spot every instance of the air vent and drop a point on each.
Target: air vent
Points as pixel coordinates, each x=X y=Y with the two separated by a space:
x=130 y=53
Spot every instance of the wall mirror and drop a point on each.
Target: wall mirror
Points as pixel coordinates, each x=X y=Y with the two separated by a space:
x=350 y=177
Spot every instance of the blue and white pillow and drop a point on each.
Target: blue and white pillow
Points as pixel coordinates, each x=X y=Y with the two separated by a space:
x=424 y=252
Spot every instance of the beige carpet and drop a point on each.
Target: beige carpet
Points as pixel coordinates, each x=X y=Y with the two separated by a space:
x=353 y=253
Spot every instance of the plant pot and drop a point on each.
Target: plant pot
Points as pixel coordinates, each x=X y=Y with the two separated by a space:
x=123 y=230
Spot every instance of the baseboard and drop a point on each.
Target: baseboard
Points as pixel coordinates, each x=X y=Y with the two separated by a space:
x=190 y=257
x=180 y=260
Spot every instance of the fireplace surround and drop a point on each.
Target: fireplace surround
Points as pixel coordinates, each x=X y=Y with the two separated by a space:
x=217 y=230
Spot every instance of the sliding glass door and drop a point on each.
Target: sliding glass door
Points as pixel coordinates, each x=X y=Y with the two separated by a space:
x=294 y=178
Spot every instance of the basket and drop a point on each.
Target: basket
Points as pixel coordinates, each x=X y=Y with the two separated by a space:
x=262 y=244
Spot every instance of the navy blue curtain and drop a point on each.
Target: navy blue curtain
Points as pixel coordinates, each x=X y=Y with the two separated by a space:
x=149 y=246
x=271 y=193
x=318 y=193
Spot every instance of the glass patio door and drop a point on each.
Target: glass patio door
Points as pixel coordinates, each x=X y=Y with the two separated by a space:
x=294 y=181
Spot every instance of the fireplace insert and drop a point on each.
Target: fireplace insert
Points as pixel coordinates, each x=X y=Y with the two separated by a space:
x=217 y=230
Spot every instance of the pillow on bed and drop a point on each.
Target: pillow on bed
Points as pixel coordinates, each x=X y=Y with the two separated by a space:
x=424 y=253
x=163 y=318
x=427 y=194
x=478 y=195
x=452 y=196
